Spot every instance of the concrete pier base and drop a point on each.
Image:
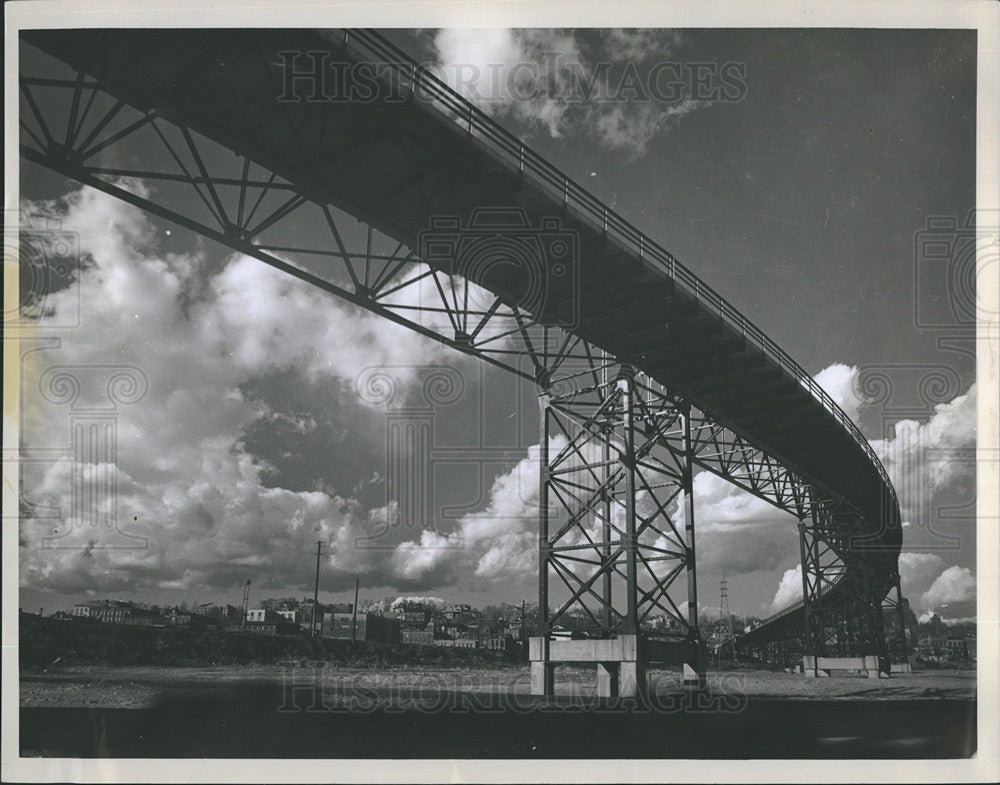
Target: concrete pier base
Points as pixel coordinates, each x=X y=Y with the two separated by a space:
x=620 y=666
x=632 y=680
x=693 y=679
x=867 y=665
x=543 y=679
x=608 y=674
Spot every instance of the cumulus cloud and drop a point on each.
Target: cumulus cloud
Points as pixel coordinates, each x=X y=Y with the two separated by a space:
x=563 y=82
x=181 y=476
x=917 y=570
x=922 y=458
x=495 y=543
x=839 y=381
x=789 y=589
x=954 y=585
x=736 y=531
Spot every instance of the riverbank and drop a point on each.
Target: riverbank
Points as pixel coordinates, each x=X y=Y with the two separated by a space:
x=130 y=687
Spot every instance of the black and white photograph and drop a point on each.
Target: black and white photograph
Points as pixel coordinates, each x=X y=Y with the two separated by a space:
x=501 y=392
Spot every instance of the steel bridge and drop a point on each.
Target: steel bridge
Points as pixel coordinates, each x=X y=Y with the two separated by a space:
x=421 y=209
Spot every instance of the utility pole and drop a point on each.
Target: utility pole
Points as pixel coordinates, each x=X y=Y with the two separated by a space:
x=354 y=609
x=319 y=547
x=246 y=604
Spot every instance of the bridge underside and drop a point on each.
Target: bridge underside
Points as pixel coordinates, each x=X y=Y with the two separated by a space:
x=645 y=374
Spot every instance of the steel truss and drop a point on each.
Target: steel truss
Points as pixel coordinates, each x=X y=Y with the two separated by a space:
x=618 y=451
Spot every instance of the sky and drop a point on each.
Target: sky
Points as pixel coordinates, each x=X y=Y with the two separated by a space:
x=796 y=183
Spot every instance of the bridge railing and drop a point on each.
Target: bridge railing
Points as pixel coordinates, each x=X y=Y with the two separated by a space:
x=786 y=611
x=573 y=194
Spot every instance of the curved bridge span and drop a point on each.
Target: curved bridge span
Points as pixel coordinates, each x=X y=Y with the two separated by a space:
x=420 y=208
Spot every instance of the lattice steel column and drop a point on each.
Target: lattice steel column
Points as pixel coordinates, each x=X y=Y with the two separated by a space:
x=694 y=669
x=626 y=391
x=606 y=505
x=542 y=670
x=810 y=640
x=616 y=454
x=901 y=620
x=825 y=633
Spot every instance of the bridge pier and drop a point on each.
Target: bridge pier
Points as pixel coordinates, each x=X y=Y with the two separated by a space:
x=621 y=664
x=868 y=665
x=606 y=536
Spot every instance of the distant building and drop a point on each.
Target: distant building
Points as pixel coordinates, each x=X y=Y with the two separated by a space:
x=178 y=618
x=117 y=612
x=460 y=614
x=301 y=617
x=457 y=643
x=87 y=610
x=225 y=614
x=264 y=615
x=409 y=619
x=268 y=622
x=419 y=636
x=494 y=643
x=370 y=627
x=957 y=649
